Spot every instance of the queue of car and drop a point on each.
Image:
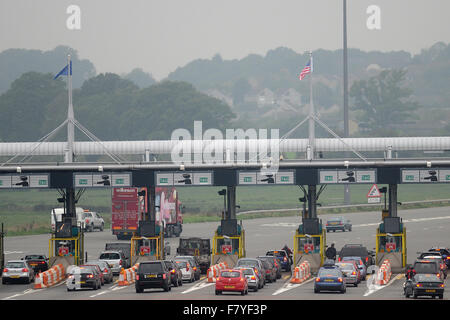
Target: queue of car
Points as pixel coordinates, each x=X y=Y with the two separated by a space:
x=426 y=276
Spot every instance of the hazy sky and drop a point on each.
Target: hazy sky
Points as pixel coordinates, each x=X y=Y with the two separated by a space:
x=161 y=35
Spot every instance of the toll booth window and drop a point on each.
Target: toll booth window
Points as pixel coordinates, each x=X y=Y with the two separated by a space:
x=109 y=256
x=309 y=245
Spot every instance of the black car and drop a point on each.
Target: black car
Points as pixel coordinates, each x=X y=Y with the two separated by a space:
x=445 y=252
x=429 y=266
x=424 y=285
x=271 y=269
x=83 y=277
x=38 y=262
x=357 y=250
x=152 y=274
x=176 y=275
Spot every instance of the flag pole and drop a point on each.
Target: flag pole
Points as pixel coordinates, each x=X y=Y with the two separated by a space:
x=70 y=115
x=312 y=135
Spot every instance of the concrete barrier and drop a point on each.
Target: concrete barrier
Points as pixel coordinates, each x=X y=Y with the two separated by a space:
x=50 y=277
x=384 y=273
x=302 y=272
x=214 y=271
x=128 y=276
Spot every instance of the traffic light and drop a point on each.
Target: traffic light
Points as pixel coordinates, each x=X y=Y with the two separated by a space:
x=24 y=181
x=350 y=176
x=141 y=193
x=105 y=180
x=432 y=176
x=187 y=179
x=269 y=179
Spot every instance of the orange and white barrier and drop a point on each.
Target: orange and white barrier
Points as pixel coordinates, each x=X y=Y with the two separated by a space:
x=50 y=277
x=214 y=271
x=301 y=272
x=384 y=273
x=128 y=276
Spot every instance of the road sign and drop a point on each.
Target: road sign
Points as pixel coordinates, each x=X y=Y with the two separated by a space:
x=347 y=176
x=374 y=192
x=282 y=177
x=184 y=178
x=100 y=180
x=20 y=181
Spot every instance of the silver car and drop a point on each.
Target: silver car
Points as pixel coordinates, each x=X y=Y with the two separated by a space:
x=105 y=268
x=188 y=273
x=349 y=271
x=193 y=263
x=252 y=278
x=114 y=259
x=17 y=270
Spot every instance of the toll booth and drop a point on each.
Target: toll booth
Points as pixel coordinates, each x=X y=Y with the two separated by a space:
x=66 y=246
x=228 y=243
x=309 y=243
x=391 y=243
x=148 y=243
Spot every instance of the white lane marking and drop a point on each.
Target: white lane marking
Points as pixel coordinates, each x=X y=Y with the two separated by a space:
x=374 y=288
x=11 y=252
x=199 y=286
x=293 y=225
x=99 y=294
x=112 y=288
x=280 y=224
x=20 y=294
x=289 y=286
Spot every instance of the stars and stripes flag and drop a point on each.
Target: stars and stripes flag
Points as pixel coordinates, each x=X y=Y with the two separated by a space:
x=306 y=70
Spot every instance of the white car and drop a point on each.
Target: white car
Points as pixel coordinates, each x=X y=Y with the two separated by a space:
x=92 y=220
x=186 y=269
x=115 y=259
x=16 y=270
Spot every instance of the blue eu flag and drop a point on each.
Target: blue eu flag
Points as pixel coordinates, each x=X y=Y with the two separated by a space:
x=64 y=71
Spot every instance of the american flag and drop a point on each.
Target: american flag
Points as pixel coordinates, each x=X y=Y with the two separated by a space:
x=305 y=71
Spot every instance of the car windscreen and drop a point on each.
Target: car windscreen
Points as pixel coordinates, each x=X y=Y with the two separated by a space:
x=230 y=274
x=110 y=256
x=247 y=272
x=248 y=263
x=427 y=278
x=150 y=268
x=345 y=266
x=425 y=267
x=358 y=252
x=32 y=257
x=356 y=259
x=181 y=264
x=13 y=265
x=276 y=253
x=329 y=273
x=335 y=219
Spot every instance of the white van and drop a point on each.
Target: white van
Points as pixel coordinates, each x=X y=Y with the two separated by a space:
x=58 y=212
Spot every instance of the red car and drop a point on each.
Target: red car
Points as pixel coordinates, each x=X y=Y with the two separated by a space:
x=97 y=269
x=232 y=280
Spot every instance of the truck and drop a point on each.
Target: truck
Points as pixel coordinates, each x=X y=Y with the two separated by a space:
x=128 y=208
x=125 y=212
x=58 y=213
x=200 y=248
x=169 y=209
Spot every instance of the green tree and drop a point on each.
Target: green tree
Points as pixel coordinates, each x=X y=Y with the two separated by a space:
x=382 y=103
x=23 y=108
